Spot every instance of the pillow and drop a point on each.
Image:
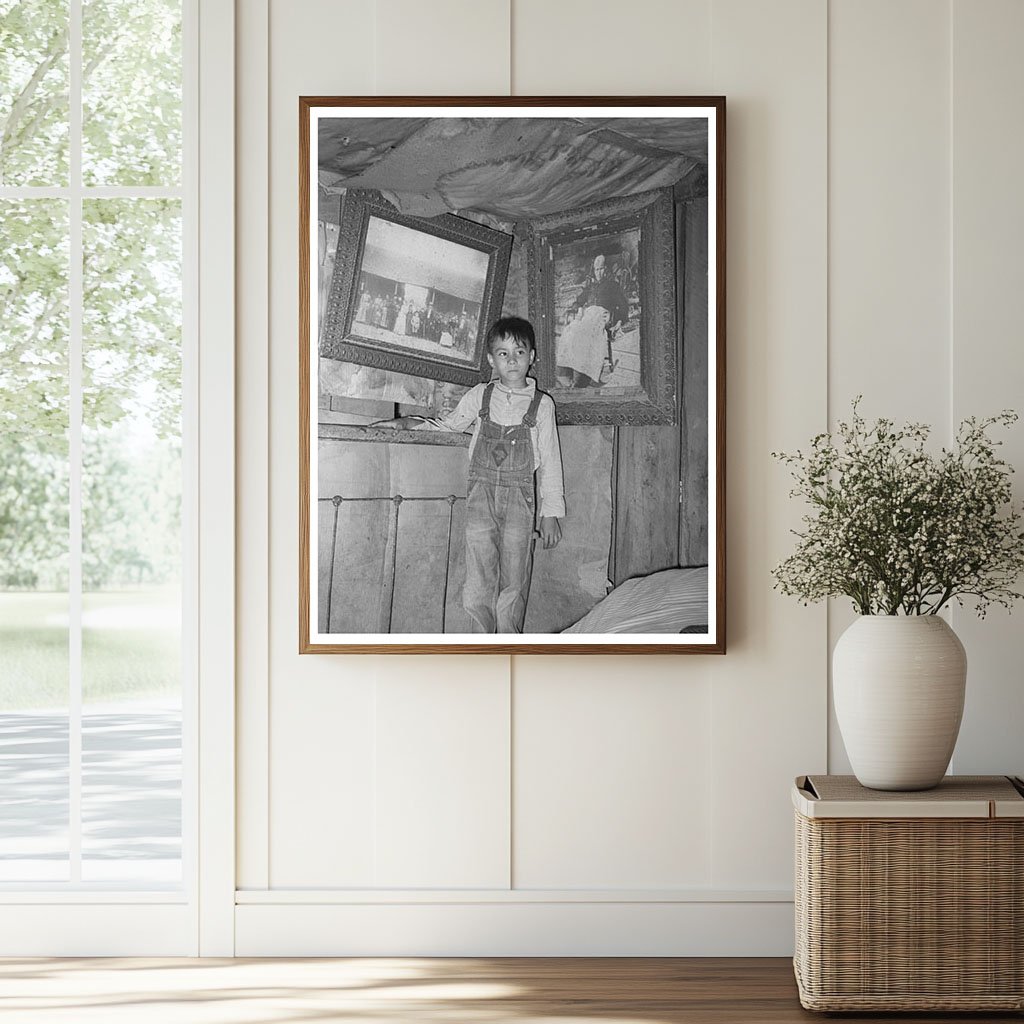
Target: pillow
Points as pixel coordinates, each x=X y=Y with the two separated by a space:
x=669 y=601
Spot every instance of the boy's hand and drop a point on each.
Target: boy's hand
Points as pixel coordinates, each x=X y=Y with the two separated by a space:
x=401 y=423
x=550 y=531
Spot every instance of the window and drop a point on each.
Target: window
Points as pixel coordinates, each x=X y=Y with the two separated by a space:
x=94 y=456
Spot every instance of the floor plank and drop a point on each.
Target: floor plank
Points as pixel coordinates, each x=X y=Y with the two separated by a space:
x=387 y=991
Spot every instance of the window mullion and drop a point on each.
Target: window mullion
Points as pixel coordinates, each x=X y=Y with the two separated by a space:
x=75 y=333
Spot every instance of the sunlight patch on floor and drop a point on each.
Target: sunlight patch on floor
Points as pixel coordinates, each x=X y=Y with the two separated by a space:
x=221 y=991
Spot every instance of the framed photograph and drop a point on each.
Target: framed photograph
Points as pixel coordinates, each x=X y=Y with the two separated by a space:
x=411 y=294
x=511 y=374
x=603 y=299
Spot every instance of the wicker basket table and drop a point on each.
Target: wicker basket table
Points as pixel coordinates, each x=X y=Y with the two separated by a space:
x=910 y=901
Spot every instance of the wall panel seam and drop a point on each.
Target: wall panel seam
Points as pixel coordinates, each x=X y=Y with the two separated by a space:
x=510 y=711
x=951 y=242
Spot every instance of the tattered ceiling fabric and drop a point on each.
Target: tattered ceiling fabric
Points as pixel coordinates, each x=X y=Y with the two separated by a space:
x=511 y=168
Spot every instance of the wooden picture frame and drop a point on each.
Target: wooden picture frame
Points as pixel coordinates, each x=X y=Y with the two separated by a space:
x=372 y=317
x=644 y=464
x=603 y=299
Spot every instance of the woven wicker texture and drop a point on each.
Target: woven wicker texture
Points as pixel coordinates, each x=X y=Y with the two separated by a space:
x=913 y=914
x=960 y=787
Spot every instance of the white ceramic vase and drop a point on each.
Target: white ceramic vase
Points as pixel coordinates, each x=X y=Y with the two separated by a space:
x=898 y=685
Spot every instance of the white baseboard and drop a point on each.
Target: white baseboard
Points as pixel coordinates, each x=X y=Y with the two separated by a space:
x=503 y=928
x=98 y=928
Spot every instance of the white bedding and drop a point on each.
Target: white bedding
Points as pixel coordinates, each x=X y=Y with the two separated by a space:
x=664 y=602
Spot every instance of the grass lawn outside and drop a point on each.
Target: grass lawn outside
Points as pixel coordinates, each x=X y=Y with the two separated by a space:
x=131 y=647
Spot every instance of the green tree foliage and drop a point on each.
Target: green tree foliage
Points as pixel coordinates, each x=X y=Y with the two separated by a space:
x=33 y=392
x=33 y=92
x=131 y=92
x=132 y=313
x=34 y=321
x=131 y=308
x=33 y=515
x=131 y=509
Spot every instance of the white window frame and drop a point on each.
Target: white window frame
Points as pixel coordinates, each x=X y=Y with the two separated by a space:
x=216 y=395
x=50 y=919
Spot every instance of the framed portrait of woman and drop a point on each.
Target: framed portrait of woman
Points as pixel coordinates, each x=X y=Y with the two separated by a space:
x=603 y=295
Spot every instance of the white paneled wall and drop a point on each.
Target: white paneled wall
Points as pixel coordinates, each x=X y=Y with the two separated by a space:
x=579 y=48
x=441 y=48
x=442 y=775
x=321 y=817
x=925 y=218
x=317 y=820
x=252 y=464
x=624 y=805
x=987 y=365
x=889 y=243
x=889 y=334
x=768 y=693
x=612 y=775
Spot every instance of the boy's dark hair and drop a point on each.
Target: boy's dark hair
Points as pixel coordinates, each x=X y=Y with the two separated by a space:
x=514 y=327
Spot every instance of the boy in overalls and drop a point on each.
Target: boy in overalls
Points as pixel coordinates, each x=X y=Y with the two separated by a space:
x=514 y=438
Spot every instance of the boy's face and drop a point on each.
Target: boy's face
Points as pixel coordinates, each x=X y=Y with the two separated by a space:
x=510 y=359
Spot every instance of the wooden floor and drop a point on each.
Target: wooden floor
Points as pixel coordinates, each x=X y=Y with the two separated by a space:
x=382 y=991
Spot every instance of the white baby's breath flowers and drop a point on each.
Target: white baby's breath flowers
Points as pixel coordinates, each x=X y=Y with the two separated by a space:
x=897 y=529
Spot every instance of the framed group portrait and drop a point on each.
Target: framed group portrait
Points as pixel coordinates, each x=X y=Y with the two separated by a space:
x=410 y=294
x=511 y=375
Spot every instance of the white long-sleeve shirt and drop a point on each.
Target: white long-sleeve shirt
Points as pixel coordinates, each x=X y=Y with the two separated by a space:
x=509 y=406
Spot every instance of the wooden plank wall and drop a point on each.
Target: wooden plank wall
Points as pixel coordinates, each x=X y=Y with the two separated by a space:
x=661 y=473
x=646 y=501
x=692 y=304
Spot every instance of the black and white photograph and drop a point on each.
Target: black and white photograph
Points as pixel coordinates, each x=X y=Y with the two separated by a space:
x=411 y=294
x=419 y=292
x=597 y=312
x=603 y=290
x=511 y=375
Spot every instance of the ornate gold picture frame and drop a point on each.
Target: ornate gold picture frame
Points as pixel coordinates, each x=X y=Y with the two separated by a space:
x=434 y=328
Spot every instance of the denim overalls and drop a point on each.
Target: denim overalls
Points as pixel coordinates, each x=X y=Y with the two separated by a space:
x=499 y=522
